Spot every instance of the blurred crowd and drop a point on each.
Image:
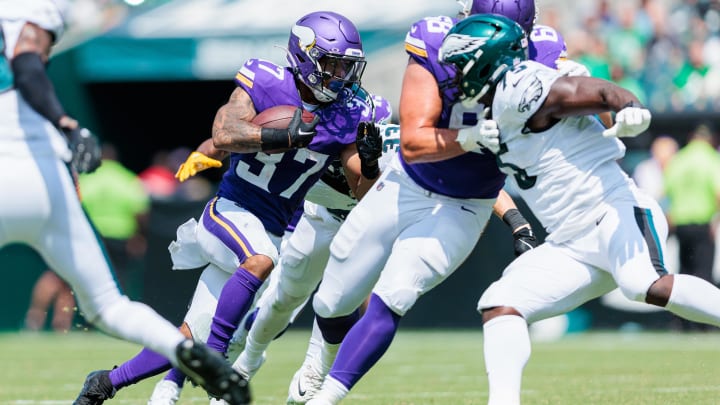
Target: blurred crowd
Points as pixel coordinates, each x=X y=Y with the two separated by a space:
x=665 y=51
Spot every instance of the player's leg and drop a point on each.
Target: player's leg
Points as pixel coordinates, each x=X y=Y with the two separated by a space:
x=196 y=325
x=228 y=225
x=539 y=284
x=635 y=249
x=301 y=266
x=357 y=254
x=426 y=252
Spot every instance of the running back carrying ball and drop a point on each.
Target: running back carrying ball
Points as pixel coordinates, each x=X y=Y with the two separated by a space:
x=285 y=126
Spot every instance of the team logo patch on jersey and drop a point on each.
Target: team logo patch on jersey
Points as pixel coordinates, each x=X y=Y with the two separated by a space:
x=531 y=95
x=456 y=44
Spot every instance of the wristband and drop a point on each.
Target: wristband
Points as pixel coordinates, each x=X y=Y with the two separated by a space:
x=514 y=219
x=272 y=139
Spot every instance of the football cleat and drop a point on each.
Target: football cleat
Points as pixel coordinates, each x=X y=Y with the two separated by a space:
x=166 y=392
x=209 y=369
x=304 y=385
x=96 y=389
x=248 y=371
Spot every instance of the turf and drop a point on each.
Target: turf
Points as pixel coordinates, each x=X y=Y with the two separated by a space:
x=437 y=367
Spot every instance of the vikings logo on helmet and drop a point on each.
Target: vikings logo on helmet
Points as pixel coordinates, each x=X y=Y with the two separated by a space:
x=531 y=95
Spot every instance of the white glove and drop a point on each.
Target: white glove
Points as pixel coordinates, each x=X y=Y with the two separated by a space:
x=485 y=134
x=629 y=122
x=568 y=67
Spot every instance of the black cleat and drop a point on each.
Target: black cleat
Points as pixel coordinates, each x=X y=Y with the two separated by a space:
x=210 y=370
x=96 y=389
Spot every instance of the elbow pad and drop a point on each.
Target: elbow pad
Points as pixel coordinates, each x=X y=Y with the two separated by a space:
x=32 y=82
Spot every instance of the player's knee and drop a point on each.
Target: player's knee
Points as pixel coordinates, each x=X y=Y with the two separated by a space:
x=633 y=288
x=494 y=312
x=659 y=292
x=287 y=299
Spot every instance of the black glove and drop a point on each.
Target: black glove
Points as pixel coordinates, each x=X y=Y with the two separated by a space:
x=524 y=237
x=524 y=240
x=86 y=154
x=298 y=134
x=301 y=133
x=369 y=146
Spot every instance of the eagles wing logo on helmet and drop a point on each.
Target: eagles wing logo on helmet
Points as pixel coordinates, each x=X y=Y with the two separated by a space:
x=531 y=95
x=458 y=44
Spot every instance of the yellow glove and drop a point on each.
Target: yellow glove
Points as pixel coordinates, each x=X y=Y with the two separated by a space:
x=195 y=163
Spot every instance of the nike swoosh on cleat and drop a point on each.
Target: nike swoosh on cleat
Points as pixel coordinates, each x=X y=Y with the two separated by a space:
x=597 y=221
x=300 y=390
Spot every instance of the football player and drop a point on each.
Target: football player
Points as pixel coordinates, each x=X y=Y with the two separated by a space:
x=238 y=235
x=603 y=231
x=41 y=145
x=398 y=255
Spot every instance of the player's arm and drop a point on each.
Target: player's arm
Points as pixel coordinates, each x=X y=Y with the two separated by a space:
x=522 y=232
x=573 y=96
x=420 y=108
x=359 y=185
x=30 y=56
x=232 y=129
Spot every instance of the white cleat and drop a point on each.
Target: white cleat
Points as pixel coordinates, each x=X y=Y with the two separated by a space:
x=215 y=401
x=304 y=385
x=166 y=392
x=246 y=370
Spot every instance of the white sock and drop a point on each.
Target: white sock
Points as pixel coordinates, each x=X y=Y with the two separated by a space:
x=252 y=355
x=695 y=299
x=328 y=352
x=507 y=349
x=331 y=393
x=315 y=344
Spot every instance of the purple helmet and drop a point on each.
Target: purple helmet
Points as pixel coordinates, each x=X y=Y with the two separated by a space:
x=326 y=54
x=520 y=11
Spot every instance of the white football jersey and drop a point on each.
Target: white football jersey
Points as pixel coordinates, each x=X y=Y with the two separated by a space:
x=564 y=173
x=323 y=194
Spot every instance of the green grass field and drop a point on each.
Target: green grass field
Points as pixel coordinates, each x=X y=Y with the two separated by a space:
x=438 y=367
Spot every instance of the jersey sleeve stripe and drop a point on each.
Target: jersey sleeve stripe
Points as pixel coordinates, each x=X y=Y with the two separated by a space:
x=245 y=76
x=415 y=46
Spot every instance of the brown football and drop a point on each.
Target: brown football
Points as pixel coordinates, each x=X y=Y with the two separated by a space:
x=279 y=116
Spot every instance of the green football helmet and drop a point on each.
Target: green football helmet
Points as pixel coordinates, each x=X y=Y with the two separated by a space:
x=483 y=47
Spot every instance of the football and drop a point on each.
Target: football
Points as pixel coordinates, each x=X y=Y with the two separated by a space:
x=279 y=116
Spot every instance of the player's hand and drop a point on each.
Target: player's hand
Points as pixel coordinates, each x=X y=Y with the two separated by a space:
x=568 y=67
x=369 y=146
x=86 y=153
x=629 y=122
x=195 y=163
x=301 y=133
x=524 y=240
x=486 y=134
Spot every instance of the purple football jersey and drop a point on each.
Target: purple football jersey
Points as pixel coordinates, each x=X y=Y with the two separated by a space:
x=546 y=46
x=471 y=175
x=272 y=186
